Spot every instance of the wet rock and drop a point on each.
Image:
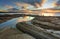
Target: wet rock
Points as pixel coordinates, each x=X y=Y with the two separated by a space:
x=13 y=33
x=37 y=32
x=47 y=22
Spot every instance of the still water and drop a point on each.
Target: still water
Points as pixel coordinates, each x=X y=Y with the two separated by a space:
x=14 y=21
x=9 y=23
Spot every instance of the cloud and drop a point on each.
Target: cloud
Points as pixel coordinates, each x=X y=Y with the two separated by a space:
x=8 y=6
x=22 y=4
x=35 y=3
x=43 y=1
x=18 y=4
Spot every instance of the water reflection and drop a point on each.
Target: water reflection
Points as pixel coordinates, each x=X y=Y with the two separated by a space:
x=14 y=21
x=9 y=23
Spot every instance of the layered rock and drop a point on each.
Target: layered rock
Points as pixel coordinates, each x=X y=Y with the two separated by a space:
x=47 y=22
x=35 y=31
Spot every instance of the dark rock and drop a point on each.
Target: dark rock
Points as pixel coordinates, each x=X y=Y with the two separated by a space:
x=47 y=22
x=37 y=32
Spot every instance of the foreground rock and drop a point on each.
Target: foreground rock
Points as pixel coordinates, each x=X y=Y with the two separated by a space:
x=47 y=22
x=13 y=33
x=37 y=32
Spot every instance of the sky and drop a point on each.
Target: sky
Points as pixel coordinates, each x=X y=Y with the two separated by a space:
x=4 y=4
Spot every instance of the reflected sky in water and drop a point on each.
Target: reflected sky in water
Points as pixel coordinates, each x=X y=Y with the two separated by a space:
x=9 y=23
x=13 y=22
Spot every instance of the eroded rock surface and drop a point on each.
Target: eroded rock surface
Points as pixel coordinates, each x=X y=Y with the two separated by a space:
x=14 y=34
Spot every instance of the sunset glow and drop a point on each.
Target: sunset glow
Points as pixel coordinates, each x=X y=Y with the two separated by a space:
x=39 y=6
x=48 y=14
x=25 y=18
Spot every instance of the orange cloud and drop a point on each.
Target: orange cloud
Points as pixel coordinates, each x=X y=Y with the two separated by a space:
x=21 y=4
x=54 y=4
x=18 y=4
x=37 y=5
x=43 y=1
x=24 y=5
x=8 y=6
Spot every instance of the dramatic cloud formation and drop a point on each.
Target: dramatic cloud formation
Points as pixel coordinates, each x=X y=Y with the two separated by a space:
x=22 y=5
x=40 y=4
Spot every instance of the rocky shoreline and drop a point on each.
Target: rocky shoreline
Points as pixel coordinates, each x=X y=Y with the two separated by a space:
x=38 y=29
x=47 y=22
